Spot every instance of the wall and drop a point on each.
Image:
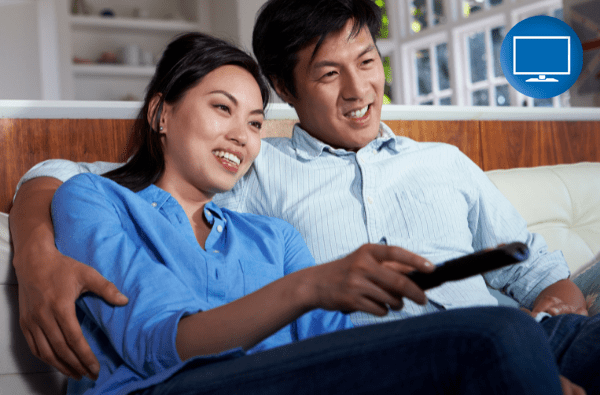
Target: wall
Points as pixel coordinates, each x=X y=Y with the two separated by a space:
x=20 y=76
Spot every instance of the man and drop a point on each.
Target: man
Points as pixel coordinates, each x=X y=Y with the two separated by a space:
x=343 y=180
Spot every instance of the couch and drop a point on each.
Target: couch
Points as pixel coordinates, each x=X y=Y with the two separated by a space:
x=559 y=201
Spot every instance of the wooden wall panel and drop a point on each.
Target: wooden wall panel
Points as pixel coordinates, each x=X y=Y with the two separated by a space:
x=463 y=134
x=490 y=144
x=25 y=142
x=509 y=144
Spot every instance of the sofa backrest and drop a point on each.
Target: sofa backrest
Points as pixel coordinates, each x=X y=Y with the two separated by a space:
x=562 y=203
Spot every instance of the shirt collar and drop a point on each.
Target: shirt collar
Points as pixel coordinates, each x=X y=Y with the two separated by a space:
x=308 y=147
x=157 y=197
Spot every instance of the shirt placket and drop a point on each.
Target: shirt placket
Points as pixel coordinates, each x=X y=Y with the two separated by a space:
x=216 y=269
x=370 y=194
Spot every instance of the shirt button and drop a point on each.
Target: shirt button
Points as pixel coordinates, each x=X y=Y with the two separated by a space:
x=207 y=214
x=374 y=152
x=370 y=200
x=154 y=204
x=215 y=251
x=219 y=228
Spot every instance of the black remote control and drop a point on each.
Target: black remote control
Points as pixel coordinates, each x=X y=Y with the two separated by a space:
x=470 y=265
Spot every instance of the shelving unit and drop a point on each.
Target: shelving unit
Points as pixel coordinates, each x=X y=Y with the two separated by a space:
x=92 y=35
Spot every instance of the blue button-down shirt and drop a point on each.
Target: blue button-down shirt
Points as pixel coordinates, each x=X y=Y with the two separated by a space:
x=144 y=243
x=428 y=198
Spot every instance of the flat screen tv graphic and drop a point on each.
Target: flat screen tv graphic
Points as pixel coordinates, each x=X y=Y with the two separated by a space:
x=541 y=57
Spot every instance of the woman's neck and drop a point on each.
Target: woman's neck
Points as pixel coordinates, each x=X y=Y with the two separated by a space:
x=193 y=202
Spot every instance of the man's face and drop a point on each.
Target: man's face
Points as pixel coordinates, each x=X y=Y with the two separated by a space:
x=339 y=92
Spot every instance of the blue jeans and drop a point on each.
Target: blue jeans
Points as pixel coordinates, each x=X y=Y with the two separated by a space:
x=575 y=341
x=489 y=350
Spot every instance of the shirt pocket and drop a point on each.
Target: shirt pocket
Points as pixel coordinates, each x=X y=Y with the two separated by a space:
x=438 y=212
x=257 y=274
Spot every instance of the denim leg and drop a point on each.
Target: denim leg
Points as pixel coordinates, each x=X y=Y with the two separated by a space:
x=575 y=340
x=486 y=350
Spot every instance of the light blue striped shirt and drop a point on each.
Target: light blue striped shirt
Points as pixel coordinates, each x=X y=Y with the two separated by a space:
x=428 y=198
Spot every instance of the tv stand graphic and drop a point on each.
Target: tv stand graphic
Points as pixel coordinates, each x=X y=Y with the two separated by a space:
x=541 y=56
x=541 y=78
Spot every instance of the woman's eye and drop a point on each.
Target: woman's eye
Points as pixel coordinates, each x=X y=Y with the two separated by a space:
x=222 y=107
x=257 y=125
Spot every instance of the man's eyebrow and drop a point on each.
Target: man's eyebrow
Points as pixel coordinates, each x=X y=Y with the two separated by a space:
x=234 y=100
x=328 y=63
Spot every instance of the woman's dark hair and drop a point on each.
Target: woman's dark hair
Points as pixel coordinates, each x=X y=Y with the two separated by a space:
x=284 y=27
x=185 y=61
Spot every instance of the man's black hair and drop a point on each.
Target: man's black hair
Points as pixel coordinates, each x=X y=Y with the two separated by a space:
x=284 y=27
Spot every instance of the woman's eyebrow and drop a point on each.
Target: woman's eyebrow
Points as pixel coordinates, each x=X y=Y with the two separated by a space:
x=234 y=100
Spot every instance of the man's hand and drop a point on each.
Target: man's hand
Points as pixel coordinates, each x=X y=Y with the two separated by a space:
x=562 y=297
x=555 y=306
x=569 y=388
x=371 y=279
x=47 y=297
x=49 y=284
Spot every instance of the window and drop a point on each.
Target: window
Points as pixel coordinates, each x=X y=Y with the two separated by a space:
x=442 y=52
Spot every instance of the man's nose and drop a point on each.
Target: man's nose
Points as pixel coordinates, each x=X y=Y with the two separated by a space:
x=354 y=86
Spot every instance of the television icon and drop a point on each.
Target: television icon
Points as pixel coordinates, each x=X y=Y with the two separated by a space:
x=542 y=56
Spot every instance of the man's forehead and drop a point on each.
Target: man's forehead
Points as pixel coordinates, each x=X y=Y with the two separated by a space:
x=345 y=36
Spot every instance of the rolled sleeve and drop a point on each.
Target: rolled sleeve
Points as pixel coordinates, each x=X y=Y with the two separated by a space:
x=64 y=169
x=494 y=220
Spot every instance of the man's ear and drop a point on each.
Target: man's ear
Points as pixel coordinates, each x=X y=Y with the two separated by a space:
x=282 y=91
x=152 y=111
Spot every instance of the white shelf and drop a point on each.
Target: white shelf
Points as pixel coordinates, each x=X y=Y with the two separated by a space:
x=137 y=24
x=112 y=70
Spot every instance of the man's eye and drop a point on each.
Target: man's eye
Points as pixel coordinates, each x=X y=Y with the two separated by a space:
x=368 y=61
x=330 y=74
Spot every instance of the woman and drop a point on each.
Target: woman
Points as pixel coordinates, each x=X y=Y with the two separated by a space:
x=221 y=301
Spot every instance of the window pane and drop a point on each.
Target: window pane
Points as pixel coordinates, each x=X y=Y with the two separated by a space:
x=387 y=89
x=441 y=51
x=439 y=15
x=471 y=6
x=446 y=101
x=384 y=32
x=495 y=2
x=423 y=72
x=558 y=14
x=542 y=102
x=481 y=98
x=497 y=37
x=476 y=45
x=418 y=10
x=502 y=96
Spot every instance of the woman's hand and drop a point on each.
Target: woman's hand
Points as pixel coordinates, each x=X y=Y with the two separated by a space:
x=48 y=288
x=371 y=279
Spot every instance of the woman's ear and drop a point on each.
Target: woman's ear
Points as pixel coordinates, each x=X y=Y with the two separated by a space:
x=153 y=108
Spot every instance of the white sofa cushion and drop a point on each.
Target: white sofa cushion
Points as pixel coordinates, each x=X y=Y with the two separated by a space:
x=562 y=203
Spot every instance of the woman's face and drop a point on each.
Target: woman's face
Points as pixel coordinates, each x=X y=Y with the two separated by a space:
x=212 y=135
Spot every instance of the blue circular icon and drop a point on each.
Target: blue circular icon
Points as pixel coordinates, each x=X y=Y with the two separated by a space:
x=541 y=57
